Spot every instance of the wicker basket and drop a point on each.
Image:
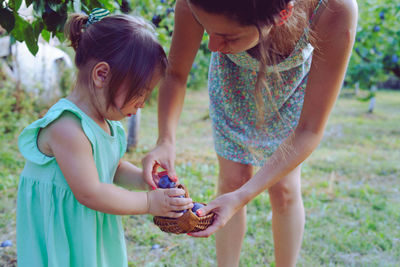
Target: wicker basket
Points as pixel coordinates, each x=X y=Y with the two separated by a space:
x=187 y=223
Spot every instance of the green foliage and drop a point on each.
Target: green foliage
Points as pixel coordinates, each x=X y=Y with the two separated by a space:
x=14 y=105
x=377 y=48
x=50 y=16
x=161 y=14
x=17 y=109
x=198 y=74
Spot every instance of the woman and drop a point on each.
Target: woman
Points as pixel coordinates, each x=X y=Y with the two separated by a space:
x=276 y=70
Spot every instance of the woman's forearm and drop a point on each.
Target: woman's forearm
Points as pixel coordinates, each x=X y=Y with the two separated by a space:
x=294 y=150
x=170 y=103
x=186 y=39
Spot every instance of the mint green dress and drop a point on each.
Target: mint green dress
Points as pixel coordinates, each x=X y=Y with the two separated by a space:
x=53 y=228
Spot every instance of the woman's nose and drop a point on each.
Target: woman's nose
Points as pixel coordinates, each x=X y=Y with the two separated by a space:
x=215 y=43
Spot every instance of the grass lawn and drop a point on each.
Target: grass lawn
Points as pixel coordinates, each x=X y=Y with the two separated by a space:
x=350 y=192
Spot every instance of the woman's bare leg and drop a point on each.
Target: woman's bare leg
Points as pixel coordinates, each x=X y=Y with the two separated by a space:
x=288 y=218
x=229 y=239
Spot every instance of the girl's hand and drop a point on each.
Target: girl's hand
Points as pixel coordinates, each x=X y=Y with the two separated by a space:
x=163 y=155
x=165 y=202
x=224 y=207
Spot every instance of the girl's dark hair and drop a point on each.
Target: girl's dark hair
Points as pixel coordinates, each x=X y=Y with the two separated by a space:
x=128 y=44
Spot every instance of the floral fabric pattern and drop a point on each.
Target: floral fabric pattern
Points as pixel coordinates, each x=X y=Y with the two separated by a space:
x=231 y=84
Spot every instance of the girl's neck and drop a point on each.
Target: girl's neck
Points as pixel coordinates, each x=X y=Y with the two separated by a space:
x=89 y=104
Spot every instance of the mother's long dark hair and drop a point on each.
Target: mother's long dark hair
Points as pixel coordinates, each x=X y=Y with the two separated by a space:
x=252 y=12
x=276 y=41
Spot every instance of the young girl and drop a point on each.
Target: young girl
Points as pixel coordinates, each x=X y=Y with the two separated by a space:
x=67 y=201
x=276 y=70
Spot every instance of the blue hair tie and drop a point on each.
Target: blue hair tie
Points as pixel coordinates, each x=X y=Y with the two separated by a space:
x=96 y=15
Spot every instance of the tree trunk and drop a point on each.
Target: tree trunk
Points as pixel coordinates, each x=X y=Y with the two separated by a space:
x=357 y=88
x=372 y=101
x=133 y=130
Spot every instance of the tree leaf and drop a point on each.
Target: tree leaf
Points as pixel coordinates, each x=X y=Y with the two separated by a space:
x=39 y=7
x=46 y=35
x=19 y=28
x=23 y=31
x=15 y=4
x=30 y=40
x=37 y=27
x=60 y=36
x=28 y=2
x=55 y=21
x=7 y=19
x=108 y=4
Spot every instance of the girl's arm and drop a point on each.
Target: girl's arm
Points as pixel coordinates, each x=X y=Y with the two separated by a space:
x=73 y=152
x=186 y=41
x=128 y=175
x=335 y=33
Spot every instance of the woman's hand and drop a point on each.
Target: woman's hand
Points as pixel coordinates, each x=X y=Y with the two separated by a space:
x=166 y=202
x=163 y=155
x=224 y=207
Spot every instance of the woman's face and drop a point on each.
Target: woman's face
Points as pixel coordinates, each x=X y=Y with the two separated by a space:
x=225 y=35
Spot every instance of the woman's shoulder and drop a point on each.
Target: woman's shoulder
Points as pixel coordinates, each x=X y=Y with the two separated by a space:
x=337 y=14
x=336 y=23
x=341 y=5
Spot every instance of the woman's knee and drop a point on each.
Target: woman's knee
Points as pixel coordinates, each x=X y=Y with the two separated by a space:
x=231 y=184
x=232 y=175
x=285 y=194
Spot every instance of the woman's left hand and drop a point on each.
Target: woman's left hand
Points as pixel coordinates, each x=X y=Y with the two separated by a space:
x=224 y=207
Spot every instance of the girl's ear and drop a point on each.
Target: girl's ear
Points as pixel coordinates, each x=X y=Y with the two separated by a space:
x=100 y=73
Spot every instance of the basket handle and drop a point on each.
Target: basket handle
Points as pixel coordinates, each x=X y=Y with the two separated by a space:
x=181 y=186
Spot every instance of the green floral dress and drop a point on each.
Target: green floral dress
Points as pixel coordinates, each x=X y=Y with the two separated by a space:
x=53 y=228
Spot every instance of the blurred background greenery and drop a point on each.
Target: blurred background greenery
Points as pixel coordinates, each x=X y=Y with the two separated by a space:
x=376 y=57
x=350 y=183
